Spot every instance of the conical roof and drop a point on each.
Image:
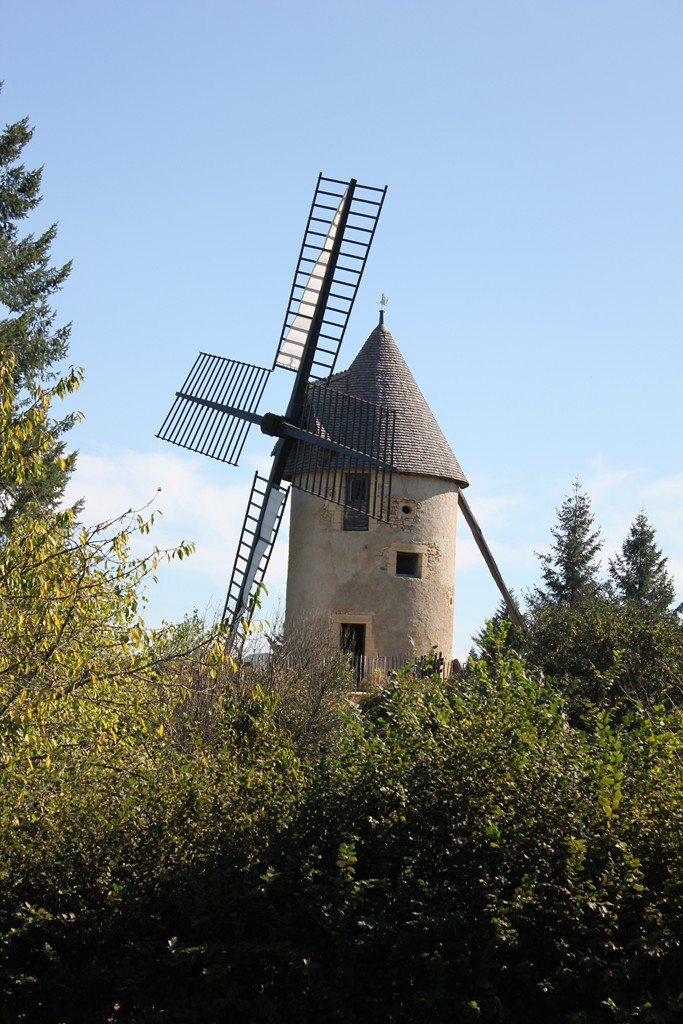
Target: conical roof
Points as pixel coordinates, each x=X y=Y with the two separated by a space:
x=380 y=374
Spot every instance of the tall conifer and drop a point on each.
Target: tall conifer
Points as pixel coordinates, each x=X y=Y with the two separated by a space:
x=570 y=568
x=27 y=322
x=639 y=574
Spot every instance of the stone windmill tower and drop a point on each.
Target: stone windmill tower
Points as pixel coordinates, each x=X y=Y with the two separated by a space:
x=386 y=586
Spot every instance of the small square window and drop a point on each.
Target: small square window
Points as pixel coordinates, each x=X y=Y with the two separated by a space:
x=408 y=564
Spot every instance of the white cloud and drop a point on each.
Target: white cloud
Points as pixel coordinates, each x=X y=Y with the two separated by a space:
x=200 y=501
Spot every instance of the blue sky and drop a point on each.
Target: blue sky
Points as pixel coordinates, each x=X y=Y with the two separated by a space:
x=531 y=243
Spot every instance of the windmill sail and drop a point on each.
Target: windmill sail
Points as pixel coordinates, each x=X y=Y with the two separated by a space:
x=214 y=409
x=259 y=531
x=347 y=436
x=296 y=334
x=352 y=232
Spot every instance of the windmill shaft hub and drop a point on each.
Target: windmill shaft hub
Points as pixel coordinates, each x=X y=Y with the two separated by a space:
x=272 y=425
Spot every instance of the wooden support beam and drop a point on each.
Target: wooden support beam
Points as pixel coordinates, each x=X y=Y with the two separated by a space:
x=515 y=613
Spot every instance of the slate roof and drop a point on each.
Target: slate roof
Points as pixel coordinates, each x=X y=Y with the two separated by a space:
x=380 y=374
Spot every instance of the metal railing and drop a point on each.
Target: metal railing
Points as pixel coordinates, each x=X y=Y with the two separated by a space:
x=371 y=671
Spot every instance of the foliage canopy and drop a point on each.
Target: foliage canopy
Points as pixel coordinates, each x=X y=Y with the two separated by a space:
x=464 y=853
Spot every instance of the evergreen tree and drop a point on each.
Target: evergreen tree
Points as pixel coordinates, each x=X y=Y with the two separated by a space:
x=29 y=340
x=570 y=568
x=639 y=574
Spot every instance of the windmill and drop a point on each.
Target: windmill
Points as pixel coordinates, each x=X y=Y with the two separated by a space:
x=325 y=437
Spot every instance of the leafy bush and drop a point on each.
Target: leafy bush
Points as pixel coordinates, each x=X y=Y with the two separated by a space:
x=462 y=853
x=603 y=652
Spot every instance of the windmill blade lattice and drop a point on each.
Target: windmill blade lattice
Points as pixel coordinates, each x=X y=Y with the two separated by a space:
x=348 y=436
x=265 y=509
x=211 y=412
x=324 y=225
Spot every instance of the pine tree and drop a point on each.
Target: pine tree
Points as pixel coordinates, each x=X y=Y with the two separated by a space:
x=639 y=574
x=29 y=339
x=570 y=568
